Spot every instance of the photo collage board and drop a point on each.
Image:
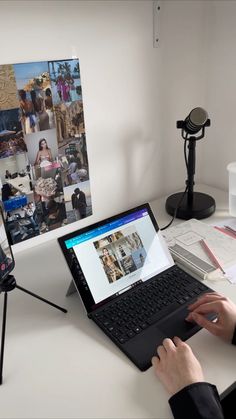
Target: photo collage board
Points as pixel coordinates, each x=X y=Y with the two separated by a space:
x=44 y=169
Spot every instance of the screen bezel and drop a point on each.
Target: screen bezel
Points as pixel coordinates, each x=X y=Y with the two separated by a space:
x=87 y=301
x=12 y=265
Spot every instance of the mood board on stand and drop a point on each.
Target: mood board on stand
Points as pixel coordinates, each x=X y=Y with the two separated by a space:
x=44 y=168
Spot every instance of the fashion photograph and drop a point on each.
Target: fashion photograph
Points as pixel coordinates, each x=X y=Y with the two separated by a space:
x=65 y=80
x=78 y=201
x=42 y=148
x=34 y=91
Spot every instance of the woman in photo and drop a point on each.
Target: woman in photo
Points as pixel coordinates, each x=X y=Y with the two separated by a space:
x=112 y=271
x=43 y=117
x=49 y=107
x=72 y=92
x=27 y=111
x=44 y=155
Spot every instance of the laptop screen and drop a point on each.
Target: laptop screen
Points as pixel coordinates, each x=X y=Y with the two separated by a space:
x=108 y=258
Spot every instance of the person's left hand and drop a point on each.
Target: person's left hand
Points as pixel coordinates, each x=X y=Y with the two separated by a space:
x=176 y=366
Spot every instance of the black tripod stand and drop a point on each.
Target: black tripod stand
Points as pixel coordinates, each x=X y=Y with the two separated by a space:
x=8 y=284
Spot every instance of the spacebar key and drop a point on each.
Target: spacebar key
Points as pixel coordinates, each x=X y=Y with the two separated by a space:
x=162 y=313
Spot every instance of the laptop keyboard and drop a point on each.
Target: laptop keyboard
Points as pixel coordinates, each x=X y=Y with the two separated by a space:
x=147 y=304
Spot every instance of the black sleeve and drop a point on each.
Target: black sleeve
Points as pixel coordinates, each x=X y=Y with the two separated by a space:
x=197 y=401
x=234 y=337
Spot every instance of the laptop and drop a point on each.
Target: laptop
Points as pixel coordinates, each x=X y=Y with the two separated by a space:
x=129 y=284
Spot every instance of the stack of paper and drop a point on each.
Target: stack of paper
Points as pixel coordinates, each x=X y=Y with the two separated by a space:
x=184 y=239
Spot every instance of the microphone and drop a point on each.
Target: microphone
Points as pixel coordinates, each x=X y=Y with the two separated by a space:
x=196 y=120
x=190 y=204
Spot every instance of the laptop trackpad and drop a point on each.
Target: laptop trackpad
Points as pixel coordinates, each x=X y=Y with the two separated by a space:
x=176 y=325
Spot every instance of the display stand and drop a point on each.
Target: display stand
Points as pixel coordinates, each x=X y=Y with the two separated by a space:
x=72 y=289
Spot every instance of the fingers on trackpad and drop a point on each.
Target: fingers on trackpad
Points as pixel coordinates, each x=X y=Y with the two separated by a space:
x=176 y=325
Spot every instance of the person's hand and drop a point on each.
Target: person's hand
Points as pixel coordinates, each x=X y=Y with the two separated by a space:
x=176 y=366
x=225 y=310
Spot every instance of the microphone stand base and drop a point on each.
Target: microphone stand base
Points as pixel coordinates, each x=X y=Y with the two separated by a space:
x=200 y=206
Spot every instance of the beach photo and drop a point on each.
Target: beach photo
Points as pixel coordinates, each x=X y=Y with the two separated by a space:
x=35 y=97
x=65 y=80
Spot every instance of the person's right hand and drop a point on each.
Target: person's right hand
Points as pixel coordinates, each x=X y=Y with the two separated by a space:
x=225 y=310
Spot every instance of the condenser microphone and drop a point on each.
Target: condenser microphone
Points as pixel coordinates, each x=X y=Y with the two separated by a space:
x=196 y=120
x=190 y=204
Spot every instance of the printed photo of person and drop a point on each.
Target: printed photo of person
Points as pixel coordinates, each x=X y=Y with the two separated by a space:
x=56 y=214
x=42 y=148
x=65 y=80
x=50 y=210
x=27 y=112
x=49 y=107
x=22 y=223
x=34 y=90
x=44 y=154
x=78 y=201
x=11 y=135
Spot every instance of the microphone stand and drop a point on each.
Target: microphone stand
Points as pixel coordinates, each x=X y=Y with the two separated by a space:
x=194 y=204
x=191 y=169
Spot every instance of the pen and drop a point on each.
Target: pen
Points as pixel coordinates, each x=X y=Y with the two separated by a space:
x=211 y=255
x=231 y=230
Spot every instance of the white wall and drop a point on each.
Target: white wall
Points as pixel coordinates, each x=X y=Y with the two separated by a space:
x=220 y=146
x=120 y=81
x=133 y=93
x=182 y=49
x=199 y=69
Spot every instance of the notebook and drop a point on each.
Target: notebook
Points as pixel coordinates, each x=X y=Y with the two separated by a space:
x=129 y=284
x=184 y=244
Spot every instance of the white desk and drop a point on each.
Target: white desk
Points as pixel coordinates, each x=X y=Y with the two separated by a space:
x=62 y=366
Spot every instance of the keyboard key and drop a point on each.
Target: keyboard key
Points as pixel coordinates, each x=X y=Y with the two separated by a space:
x=164 y=312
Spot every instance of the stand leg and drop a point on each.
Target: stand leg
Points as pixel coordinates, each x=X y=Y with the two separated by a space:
x=3 y=334
x=41 y=299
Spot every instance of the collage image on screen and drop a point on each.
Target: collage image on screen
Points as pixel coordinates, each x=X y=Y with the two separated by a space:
x=44 y=169
x=121 y=253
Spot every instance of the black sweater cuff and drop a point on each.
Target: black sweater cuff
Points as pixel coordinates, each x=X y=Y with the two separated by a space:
x=234 y=337
x=197 y=401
